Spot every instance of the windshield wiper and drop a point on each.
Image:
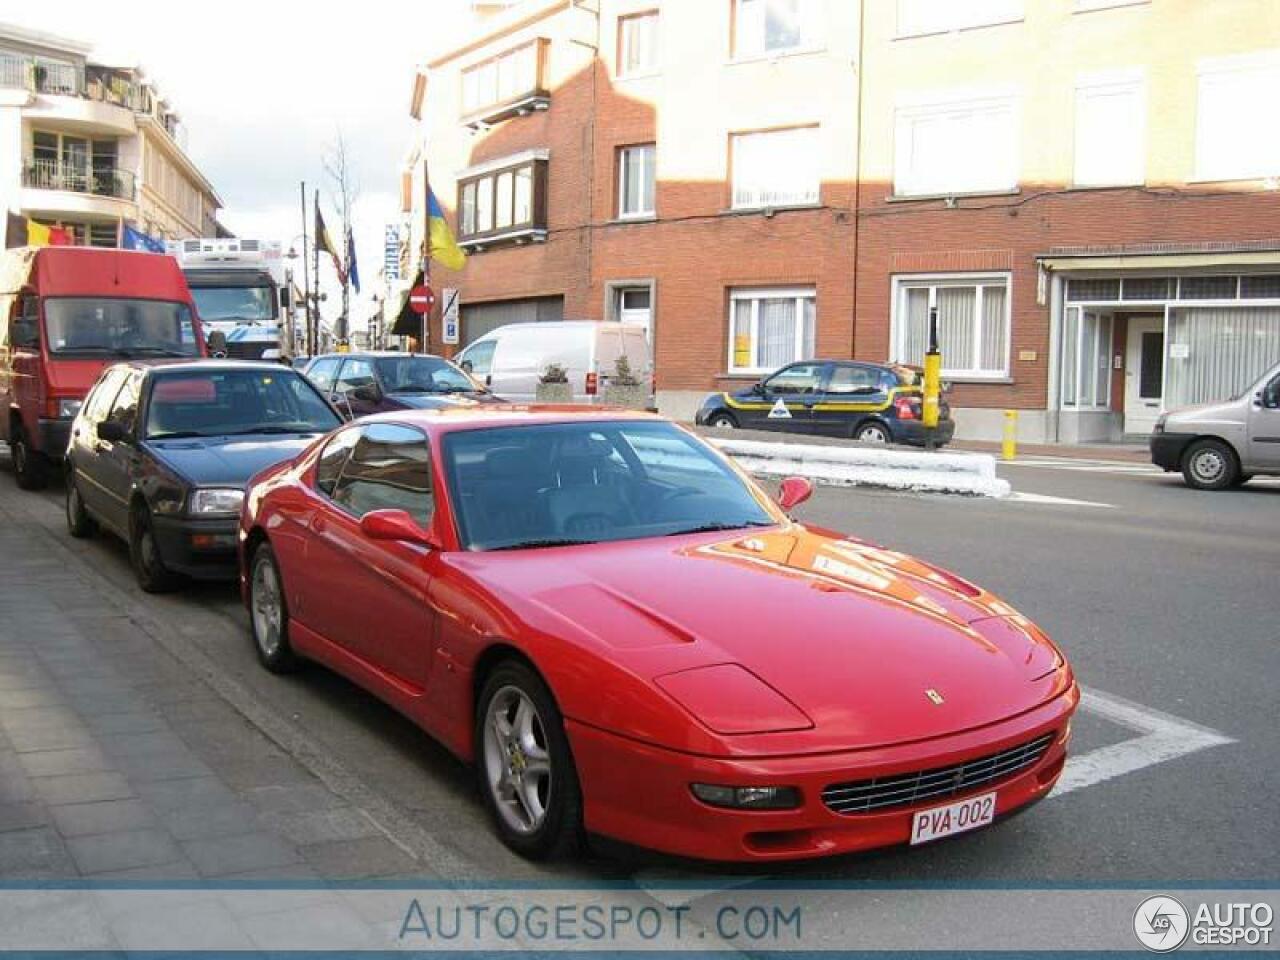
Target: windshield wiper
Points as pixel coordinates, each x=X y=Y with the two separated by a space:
x=176 y=435
x=272 y=430
x=548 y=542
x=157 y=351
x=716 y=527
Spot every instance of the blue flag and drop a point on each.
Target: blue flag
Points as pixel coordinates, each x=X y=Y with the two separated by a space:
x=353 y=273
x=135 y=239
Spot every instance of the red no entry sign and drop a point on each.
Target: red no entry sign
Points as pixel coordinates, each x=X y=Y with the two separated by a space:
x=421 y=299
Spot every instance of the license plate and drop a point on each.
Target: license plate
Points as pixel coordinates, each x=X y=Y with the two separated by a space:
x=954 y=818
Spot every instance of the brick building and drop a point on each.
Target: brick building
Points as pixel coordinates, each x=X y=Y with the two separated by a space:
x=1076 y=185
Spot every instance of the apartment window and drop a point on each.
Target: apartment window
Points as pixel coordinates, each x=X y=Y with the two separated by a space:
x=639 y=46
x=1086 y=360
x=505 y=79
x=919 y=17
x=973 y=323
x=770 y=328
x=778 y=168
x=1110 y=131
x=1230 y=142
x=767 y=27
x=956 y=146
x=503 y=200
x=636 y=181
x=1083 y=5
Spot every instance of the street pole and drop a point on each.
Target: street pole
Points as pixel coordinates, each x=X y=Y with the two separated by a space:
x=932 y=383
x=306 y=271
x=315 y=253
x=426 y=254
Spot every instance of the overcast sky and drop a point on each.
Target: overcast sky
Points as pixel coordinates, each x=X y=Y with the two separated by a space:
x=264 y=87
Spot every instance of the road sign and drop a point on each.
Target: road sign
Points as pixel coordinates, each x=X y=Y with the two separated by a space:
x=450 y=315
x=421 y=299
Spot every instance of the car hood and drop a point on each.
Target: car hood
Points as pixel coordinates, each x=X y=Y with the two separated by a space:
x=442 y=401
x=851 y=635
x=1226 y=411
x=227 y=461
x=73 y=378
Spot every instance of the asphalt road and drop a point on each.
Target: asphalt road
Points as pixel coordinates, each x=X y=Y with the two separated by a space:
x=1161 y=595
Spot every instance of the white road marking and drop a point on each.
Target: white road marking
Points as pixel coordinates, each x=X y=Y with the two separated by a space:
x=1164 y=738
x=1017 y=497
x=1085 y=466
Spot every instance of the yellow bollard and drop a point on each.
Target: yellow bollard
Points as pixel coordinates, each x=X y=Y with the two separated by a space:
x=1009 y=447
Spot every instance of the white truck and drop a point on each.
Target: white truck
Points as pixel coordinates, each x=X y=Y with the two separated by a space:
x=239 y=287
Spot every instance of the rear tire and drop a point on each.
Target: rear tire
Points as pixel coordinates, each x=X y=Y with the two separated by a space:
x=29 y=466
x=79 y=523
x=269 y=613
x=144 y=553
x=1210 y=464
x=872 y=431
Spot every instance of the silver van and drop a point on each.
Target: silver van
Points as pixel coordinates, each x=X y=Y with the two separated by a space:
x=1219 y=445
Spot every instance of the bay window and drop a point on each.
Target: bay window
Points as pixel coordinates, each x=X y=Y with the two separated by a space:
x=503 y=199
x=973 y=323
x=769 y=328
x=497 y=88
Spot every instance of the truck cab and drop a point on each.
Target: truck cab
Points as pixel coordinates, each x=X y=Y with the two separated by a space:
x=240 y=289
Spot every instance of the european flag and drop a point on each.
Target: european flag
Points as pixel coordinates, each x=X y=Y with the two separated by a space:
x=441 y=245
x=137 y=240
x=353 y=274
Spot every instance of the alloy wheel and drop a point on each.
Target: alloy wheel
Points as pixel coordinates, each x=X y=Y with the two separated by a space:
x=517 y=760
x=873 y=434
x=267 y=610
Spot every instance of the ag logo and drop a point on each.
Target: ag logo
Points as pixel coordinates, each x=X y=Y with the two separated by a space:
x=1161 y=924
x=779 y=411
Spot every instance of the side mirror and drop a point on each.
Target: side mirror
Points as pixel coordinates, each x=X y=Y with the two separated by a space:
x=794 y=491
x=217 y=344
x=369 y=393
x=395 y=525
x=110 y=431
x=467 y=366
x=758 y=389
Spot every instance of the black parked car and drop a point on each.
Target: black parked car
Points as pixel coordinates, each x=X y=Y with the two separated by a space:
x=871 y=402
x=359 y=384
x=160 y=454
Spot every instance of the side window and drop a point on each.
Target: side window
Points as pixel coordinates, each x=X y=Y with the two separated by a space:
x=477 y=359
x=329 y=467
x=796 y=379
x=322 y=373
x=1271 y=395
x=851 y=379
x=390 y=469
x=125 y=410
x=99 y=401
x=355 y=373
x=26 y=323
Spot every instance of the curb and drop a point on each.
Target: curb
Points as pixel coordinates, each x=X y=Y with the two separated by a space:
x=965 y=474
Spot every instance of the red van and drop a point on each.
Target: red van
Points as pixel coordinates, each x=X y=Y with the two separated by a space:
x=65 y=314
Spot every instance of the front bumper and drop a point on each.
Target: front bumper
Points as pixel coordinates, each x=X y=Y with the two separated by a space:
x=54 y=435
x=640 y=794
x=198 y=548
x=1167 y=449
x=915 y=433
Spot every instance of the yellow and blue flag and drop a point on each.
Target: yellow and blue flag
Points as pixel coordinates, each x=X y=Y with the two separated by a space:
x=441 y=245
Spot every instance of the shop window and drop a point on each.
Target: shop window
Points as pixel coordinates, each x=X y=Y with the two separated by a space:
x=1086 y=360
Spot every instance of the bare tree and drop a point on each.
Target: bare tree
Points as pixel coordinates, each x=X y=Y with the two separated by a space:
x=344 y=191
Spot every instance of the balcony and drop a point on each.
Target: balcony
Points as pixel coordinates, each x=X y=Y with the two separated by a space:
x=52 y=175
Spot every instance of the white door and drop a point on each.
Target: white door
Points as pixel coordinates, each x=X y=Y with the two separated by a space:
x=1143 y=374
x=635 y=307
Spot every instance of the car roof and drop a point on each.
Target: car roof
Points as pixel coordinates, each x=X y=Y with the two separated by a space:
x=202 y=365
x=510 y=415
x=376 y=354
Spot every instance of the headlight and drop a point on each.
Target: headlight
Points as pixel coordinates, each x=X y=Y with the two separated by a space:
x=747 y=798
x=216 y=501
x=68 y=407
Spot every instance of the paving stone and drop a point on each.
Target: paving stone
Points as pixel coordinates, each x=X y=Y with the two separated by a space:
x=82 y=788
x=293 y=798
x=128 y=720
x=162 y=765
x=332 y=924
x=16 y=786
x=323 y=826
x=22 y=816
x=356 y=859
x=55 y=735
x=154 y=873
x=106 y=816
x=166 y=796
x=122 y=850
x=52 y=763
x=250 y=851
x=205 y=819
x=207 y=925
x=27 y=853
x=42 y=696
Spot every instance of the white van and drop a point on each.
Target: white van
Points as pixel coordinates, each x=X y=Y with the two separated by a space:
x=510 y=360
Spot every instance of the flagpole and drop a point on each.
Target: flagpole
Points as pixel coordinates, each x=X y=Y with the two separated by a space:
x=424 y=346
x=315 y=253
x=306 y=270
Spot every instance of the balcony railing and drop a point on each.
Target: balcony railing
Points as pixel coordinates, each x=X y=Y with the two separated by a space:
x=51 y=175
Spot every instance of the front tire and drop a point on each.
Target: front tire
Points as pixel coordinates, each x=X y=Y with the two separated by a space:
x=144 y=553
x=30 y=467
x=79 y=523
x=1210 y=464
x=524 y=766
x=722 y=421
x=269 y=613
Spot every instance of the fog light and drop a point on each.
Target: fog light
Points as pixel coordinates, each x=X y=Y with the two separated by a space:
x=747 y=798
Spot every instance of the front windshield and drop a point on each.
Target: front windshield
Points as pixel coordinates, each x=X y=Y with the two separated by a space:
x=209 y=403
x=560 y=484
x=409 y=374
x=94 y=326
x=253 y=304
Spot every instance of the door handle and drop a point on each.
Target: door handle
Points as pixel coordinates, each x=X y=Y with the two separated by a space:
x=318 y=525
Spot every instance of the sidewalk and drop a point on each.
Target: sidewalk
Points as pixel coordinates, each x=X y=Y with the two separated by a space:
x=117 y=761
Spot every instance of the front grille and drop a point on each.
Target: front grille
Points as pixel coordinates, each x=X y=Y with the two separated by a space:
x=906 y=789
x=247 y=349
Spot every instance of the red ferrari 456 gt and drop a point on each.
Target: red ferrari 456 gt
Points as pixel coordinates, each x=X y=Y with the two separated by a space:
x=627 y=637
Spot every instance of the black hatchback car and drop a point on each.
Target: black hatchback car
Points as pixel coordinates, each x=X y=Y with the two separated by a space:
x=359 y=384
x=160 y=454
x=871 y=402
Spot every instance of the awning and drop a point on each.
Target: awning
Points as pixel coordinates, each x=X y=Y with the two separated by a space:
x=1160 y=261
x=408 y=321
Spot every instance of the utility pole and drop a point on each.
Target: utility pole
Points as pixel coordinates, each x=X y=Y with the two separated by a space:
x=306 y=271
